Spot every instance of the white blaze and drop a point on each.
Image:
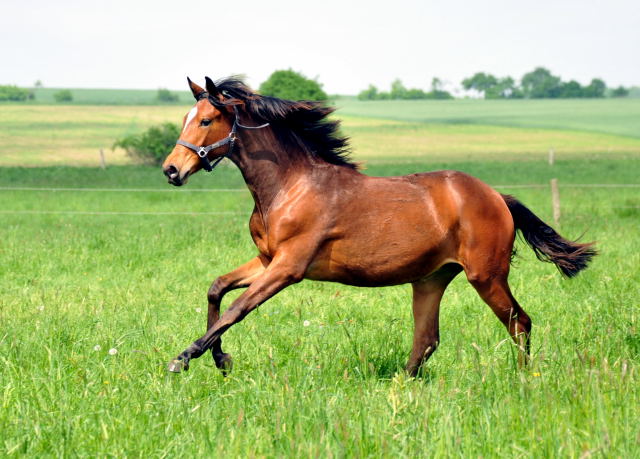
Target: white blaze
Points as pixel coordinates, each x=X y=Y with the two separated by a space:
x=192 y=114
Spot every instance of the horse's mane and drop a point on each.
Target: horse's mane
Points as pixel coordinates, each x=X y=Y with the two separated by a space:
x=302 y=125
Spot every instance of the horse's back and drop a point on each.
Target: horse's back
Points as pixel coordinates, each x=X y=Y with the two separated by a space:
x=391 y=230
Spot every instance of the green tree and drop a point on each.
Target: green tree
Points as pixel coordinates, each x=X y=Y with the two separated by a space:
x=620 y=91
x=287 y=84
x=540 y=84
x=151 y=146
x=14 y=93
x=481 y=82
x=398 y=90
x=571 y=89
x=596 y=88
x=63 y=95
x=416 y=94
x=371 y=93
x=436 y=90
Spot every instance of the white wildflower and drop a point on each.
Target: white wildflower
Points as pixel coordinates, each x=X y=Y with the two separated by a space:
x=97 y=347
x=113 y=351
x=306 y=323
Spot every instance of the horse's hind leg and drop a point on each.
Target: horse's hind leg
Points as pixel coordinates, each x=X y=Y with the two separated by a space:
x=427 y=294
x=238 y=278
x=494 y=290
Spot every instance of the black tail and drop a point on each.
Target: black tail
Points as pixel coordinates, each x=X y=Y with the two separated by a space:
x=570 y=257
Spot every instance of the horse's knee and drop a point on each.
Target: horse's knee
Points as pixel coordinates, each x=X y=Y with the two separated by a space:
x=216 y=290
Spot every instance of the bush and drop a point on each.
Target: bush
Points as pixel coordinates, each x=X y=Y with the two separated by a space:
x=153 y=145
x=63 y=96
x=287 y=84
x=14 y=93
x=164 y=95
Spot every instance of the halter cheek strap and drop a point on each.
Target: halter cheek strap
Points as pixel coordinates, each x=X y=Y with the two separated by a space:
x=203 y=151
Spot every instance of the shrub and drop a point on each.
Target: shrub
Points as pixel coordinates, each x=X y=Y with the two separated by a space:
x=153 y=145
x=63 y=95
x=287 y=84
x=14 y=93
x=164 y=95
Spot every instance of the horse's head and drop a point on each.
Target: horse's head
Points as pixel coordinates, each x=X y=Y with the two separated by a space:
x=206 y=135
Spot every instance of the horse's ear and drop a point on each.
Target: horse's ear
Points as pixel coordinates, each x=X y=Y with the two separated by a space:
x=218 y=95
x=196 y=90
x=211 y=87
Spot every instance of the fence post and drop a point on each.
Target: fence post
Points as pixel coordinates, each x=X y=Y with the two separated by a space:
x=103 y=163
x=555 y=201
x=552 y=155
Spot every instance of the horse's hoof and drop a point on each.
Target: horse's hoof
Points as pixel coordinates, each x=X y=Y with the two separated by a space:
x=225 y=363
x=178 y=366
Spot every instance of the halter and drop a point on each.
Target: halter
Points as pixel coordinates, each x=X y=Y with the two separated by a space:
x=230 y=140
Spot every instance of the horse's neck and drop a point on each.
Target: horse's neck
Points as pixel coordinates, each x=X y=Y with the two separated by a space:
x=265 y=168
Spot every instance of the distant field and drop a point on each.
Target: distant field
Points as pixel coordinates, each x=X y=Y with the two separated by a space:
x=108 y=97
x=428 y=130
x=611 y=116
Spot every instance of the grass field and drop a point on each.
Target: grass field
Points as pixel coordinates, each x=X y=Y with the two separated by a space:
x=317 y=368
x=460 y=130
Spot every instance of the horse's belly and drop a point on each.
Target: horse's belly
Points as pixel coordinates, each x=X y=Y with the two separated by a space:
x=387 y=263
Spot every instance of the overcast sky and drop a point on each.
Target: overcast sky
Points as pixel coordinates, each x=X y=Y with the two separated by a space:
x=345 y=44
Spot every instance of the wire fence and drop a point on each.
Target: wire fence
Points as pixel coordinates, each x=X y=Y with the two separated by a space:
x=555 y=198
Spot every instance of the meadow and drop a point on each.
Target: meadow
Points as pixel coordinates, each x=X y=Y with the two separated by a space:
x=104 y=276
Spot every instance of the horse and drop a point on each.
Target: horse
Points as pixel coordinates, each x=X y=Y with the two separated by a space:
x=316 y=216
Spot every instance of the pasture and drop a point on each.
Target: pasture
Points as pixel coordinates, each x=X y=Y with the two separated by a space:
x=102 y=287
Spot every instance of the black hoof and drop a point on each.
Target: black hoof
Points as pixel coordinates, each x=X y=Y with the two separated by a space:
x=224 y=363
x=178 y=366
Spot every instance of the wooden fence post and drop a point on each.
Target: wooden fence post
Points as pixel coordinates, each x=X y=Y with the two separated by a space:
x=103 y=163
x=555 y=201
x=552 y=155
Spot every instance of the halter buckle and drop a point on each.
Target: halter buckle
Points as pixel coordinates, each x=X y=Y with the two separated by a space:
x=202 y=152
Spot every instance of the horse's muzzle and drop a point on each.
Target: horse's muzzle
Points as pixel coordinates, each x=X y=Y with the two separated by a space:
x=173 y=174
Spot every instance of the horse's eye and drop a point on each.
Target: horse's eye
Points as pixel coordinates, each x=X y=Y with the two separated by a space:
x=205 y=123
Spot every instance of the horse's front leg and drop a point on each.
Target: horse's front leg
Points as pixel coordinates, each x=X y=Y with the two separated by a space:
x=282 y=272
x=240 y=277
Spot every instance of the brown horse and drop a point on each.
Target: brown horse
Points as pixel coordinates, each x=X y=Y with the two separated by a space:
x=317 y=217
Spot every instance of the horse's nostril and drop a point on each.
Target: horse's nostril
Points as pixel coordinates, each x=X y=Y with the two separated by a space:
x=171 y=171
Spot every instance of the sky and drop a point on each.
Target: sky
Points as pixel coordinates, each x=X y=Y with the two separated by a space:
x=346 y=45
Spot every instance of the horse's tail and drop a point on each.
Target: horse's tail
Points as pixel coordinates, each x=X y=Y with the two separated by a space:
x=570 y=257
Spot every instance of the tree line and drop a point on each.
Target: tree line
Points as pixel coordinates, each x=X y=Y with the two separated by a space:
x=399 y=91
x=540 y=83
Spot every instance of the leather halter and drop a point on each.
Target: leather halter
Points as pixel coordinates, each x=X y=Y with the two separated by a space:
x=203 y=151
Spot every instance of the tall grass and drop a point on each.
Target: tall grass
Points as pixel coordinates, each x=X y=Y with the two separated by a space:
x=76 y=286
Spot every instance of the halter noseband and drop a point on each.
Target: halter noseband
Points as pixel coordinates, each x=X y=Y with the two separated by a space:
x=203 y=151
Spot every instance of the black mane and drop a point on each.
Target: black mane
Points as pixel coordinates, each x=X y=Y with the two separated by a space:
x=302 y=125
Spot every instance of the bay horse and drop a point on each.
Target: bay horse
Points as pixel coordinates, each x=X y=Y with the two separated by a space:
x=317 y=217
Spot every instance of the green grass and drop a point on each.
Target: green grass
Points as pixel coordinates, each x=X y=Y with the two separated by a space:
x=137 y=283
